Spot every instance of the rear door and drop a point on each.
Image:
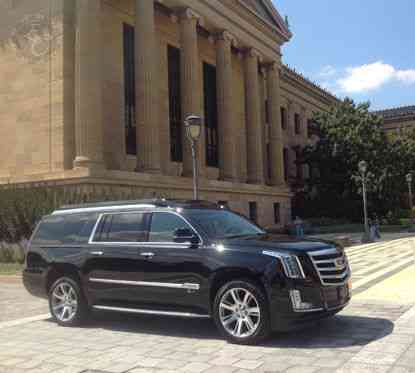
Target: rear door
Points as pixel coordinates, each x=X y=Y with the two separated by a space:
x=114 y=267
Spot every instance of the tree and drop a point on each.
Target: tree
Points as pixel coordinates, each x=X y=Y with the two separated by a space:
x=347 y=134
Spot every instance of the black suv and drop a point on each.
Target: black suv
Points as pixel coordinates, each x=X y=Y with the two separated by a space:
x=182 y=258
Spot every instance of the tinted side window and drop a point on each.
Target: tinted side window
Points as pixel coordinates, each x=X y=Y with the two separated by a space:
x=62 y=229
x=128 y=227
x=163 y=226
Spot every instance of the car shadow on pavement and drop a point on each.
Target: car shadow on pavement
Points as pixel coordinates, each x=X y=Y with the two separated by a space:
x=339 y=331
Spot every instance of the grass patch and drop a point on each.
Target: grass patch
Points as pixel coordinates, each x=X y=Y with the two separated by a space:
x=10 y=268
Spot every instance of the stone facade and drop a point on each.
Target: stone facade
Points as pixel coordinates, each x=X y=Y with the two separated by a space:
x=397 y=119
x=62 y=112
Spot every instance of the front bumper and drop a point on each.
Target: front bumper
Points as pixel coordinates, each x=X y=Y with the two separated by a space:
x=321 y=301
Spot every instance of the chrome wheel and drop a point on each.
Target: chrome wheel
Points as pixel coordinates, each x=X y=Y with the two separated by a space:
x=64 y=302
x=239 y=312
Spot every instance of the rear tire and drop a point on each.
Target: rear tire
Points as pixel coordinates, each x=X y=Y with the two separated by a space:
x=241 y=312
x=67 y=303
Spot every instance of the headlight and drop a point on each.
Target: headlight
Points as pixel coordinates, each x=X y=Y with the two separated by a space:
x=290 y=263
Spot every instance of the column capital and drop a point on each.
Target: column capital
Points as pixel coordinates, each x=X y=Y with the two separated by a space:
x=252 y=52
x=228 y=37
x=188 y=14
x=272 y=66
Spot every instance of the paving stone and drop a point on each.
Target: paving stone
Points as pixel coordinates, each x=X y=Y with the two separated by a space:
x=196 y=367
x=248 y=364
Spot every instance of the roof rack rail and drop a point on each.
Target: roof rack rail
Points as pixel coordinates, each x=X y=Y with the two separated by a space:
x=154 y=201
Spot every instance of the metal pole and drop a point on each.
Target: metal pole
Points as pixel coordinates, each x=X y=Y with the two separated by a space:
x=365 y=206
x=195 y=171
x=411 y=205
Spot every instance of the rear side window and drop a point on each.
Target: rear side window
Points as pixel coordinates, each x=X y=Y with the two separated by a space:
x=64 y=229
x=127 y=227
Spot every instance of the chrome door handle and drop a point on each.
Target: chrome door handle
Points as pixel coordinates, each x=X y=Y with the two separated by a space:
x=97 y=253
x=147 y=255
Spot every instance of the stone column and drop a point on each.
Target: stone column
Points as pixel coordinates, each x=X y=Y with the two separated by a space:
x=147 y=88
x=88 y=85
x=226 y=122
x=190 y=80
x=254 y=128
x=276 y=139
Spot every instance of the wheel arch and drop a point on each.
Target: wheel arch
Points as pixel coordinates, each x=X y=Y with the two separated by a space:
x=222 y=277
x=59 y=270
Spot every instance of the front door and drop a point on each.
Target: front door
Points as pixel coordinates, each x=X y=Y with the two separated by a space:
x=174 y=274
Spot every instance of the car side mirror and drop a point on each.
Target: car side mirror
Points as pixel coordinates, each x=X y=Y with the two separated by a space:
x=185 y=235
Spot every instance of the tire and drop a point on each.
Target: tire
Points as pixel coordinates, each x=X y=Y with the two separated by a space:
x=239 y=322
x=65 y=294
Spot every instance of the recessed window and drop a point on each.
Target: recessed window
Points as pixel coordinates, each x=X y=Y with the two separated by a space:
x=211 y=115
x=129 y=91
x=253 y=211
x=297 y=120
x=286 y=164
x=277 y=213
x=175 y=104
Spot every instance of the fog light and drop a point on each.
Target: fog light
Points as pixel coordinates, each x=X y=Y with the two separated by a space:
x=299 y=305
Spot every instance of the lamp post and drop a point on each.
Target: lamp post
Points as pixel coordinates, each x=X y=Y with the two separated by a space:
x=363 y=173
x=193 y=125
x=409 y=181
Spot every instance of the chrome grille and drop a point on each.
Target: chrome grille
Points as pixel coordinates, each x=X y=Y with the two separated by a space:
x=331 y=265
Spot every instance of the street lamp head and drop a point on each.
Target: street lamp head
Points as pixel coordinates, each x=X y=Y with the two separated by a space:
x=362 y=167
x=409 y=178
x=193 y=124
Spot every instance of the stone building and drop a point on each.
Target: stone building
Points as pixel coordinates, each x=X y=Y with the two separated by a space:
x=397 y=119
x=94 y=92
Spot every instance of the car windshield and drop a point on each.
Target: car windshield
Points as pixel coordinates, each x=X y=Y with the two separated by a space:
x=219 y=224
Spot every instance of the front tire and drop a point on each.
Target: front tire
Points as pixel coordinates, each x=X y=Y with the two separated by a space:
x=67 y=304
x=241 y=312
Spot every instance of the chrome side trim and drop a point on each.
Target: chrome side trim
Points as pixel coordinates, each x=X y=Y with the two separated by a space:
x=151 y=312
x=96 y=209
x=146 y=243
x=186 y=286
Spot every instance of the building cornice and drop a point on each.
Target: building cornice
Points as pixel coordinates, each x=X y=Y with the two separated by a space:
x=292 y=77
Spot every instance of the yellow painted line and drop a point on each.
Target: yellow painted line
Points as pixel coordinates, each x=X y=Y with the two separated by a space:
x=398 y=289
x=380 y=273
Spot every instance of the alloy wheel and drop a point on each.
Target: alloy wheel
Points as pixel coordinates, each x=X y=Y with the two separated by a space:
x=64 y=302
x=239 y=312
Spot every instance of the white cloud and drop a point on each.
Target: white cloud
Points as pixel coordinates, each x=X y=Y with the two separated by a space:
x=406 y=76
x=364 y=78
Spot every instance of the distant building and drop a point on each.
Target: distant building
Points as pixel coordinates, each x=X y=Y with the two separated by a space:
x=397 y=119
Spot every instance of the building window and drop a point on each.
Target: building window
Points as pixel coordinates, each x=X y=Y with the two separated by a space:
x=284 y=118
x=286 y=164
x=277 y=213
x=298 y=165
x=269 y=161
x=297 y=120
x=129 y=91
x=175 y=105
x=253 y=212
x=211 y=115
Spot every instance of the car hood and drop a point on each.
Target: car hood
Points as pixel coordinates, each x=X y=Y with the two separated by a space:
x=275 y=242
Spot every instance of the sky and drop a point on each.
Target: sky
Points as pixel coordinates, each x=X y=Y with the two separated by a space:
x=363 y=49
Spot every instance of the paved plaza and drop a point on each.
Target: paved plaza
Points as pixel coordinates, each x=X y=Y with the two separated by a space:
x=376 y=333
